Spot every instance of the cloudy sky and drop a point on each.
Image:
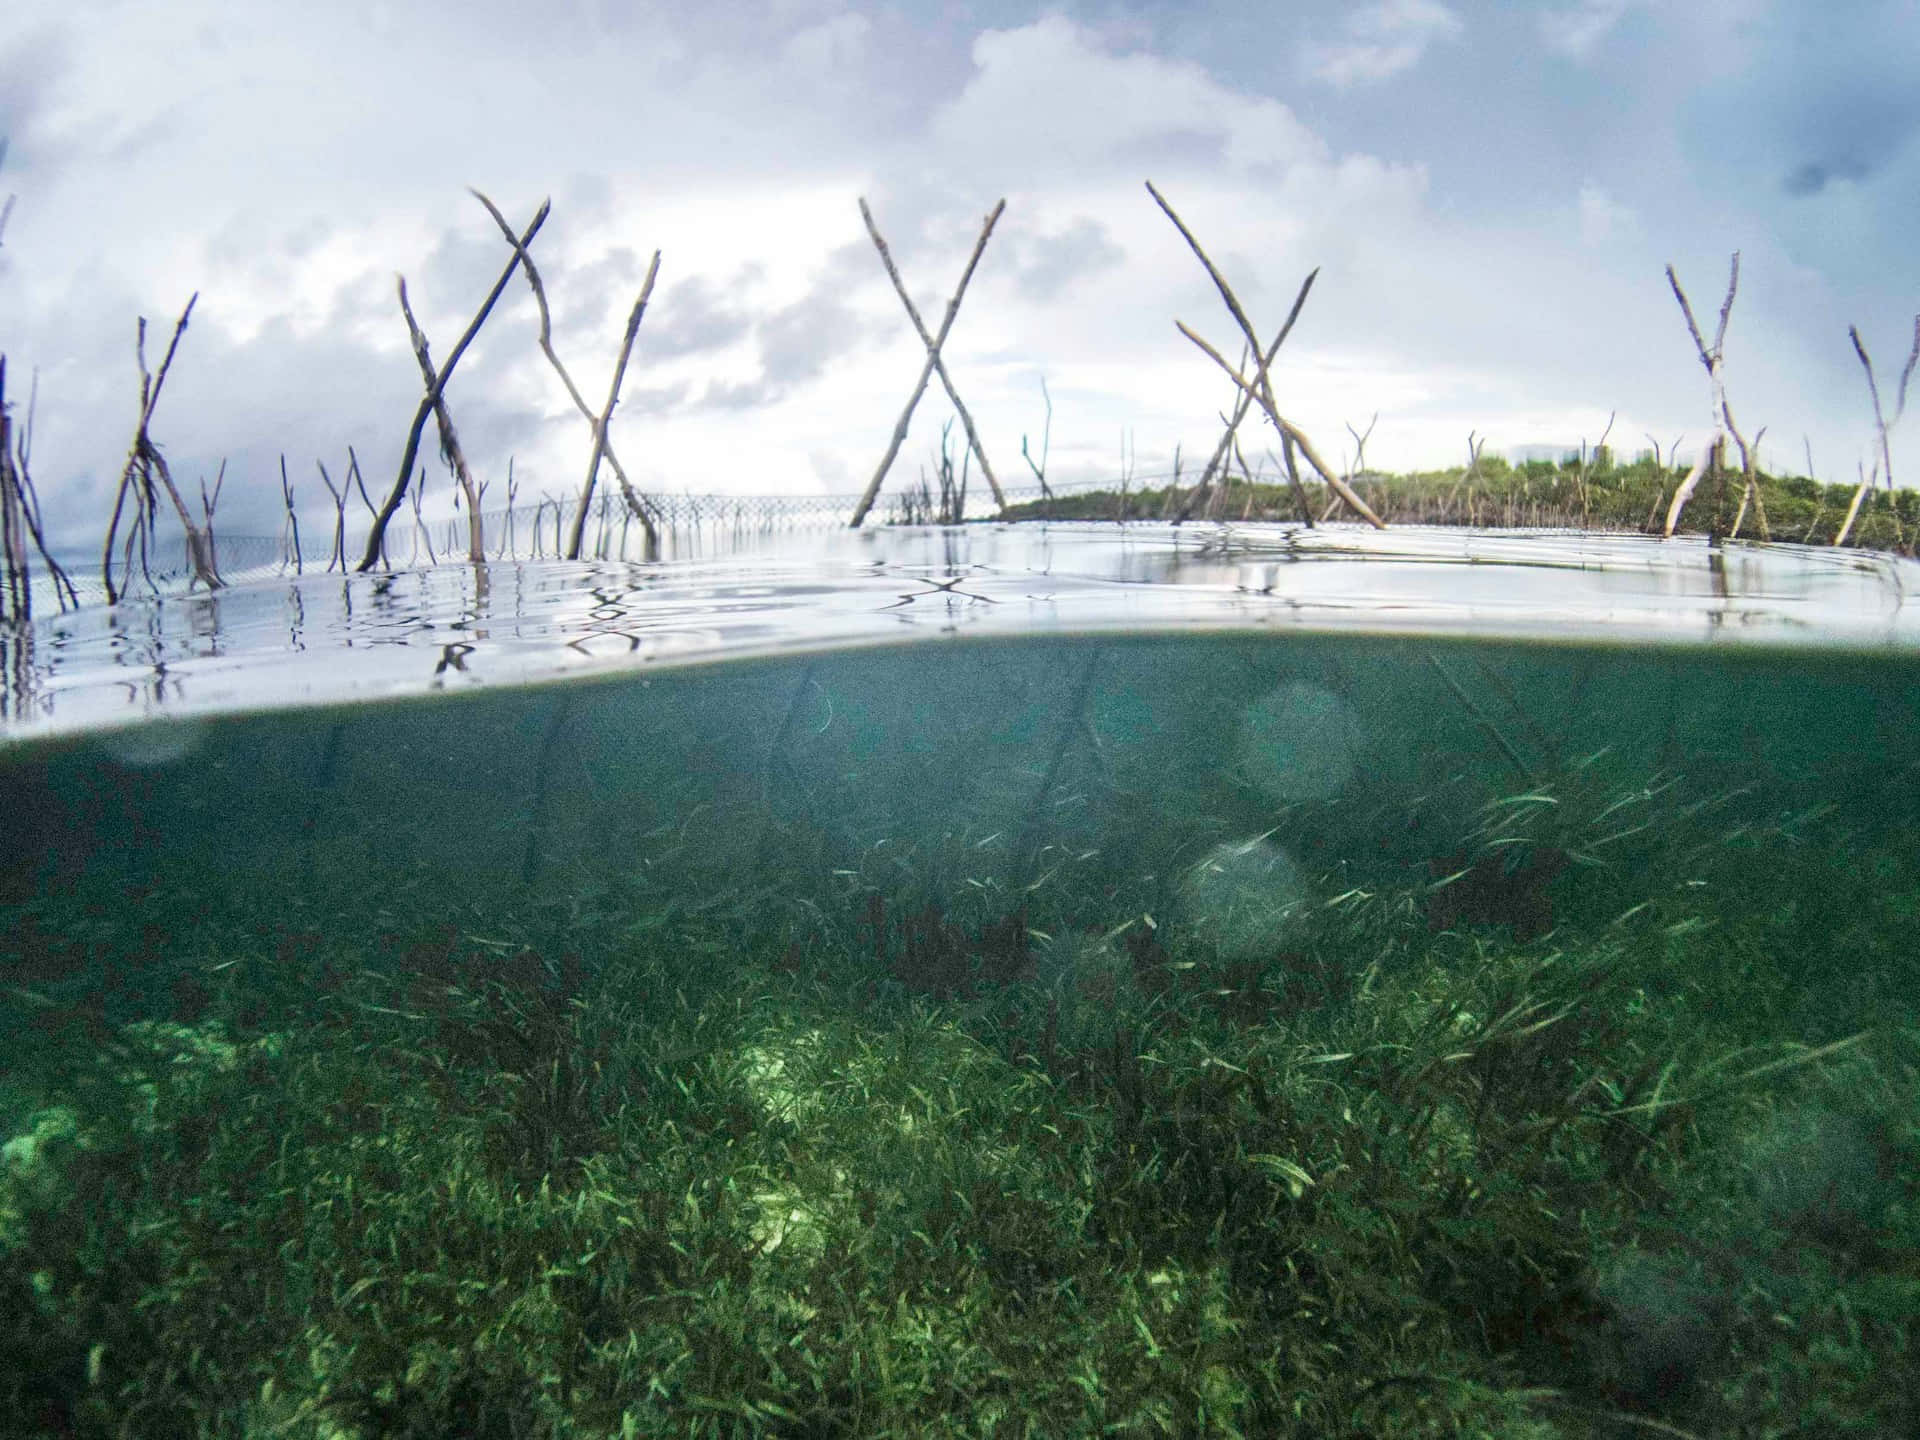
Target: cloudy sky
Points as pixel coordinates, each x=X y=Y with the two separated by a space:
x=1490 y=192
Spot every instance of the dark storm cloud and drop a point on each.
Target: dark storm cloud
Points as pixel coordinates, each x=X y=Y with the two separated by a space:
x=1813 y=176
x=1825 y=95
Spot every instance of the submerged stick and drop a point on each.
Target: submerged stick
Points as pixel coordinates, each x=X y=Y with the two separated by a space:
x=1481 y=719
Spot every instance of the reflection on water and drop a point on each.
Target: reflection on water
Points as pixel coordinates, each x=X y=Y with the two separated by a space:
x=325 y=638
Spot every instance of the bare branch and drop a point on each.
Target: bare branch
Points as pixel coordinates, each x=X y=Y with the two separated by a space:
x=450 y=450
x=939 y=366
x=1219 y=280
x=1046 y=445
x=635 y=505
x=15 y=467
x=16 y=598
x=606 y=412
x=1260 y=389
x=1243 y=402
x=1873 y=389
x=1290 y=431
x=6 y=206
x=1860 y=493
x=1711 y=359
x=1726 y=306
x=338 y=555
x=933 y=357
x=144 y=461
x=377 y=535
x=293 y=521
x=1913 y=358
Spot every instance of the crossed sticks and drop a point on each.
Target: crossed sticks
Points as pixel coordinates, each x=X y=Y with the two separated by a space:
x=934 y=363
x=602 y=446
x=431 y=403
x=434 y=403
x=144 y=462
x=1260 y=389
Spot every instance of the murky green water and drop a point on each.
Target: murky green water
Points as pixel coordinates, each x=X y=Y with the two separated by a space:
x=1181 y=990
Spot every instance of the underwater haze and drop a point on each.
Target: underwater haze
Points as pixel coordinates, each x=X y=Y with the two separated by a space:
x=990 y=981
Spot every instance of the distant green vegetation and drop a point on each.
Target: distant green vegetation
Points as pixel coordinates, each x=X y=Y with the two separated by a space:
x=1602 y=494
x=1490 y=1153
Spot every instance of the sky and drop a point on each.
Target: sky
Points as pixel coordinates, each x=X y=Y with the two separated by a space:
x=1490 y=193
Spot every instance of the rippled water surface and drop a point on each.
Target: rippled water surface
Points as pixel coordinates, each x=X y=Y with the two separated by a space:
x=321 y=638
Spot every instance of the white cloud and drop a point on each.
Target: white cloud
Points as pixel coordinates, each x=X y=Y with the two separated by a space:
x=1603 y=218
x=826 y=51
x=1577 y=31
x=1047 y=99
x=1383 y=40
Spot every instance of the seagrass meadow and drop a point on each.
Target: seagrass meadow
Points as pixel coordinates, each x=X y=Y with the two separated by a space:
x=1182 y=1034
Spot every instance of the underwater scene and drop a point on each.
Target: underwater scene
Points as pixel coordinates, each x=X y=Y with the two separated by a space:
x=1216 y=1032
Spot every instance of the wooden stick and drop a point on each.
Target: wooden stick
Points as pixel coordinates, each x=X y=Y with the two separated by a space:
x=606 y=413
x=339 y=553
x=377 y=535
x=210 y=503
x=144 y=460
x=1853 y=510
x=1290 y=431
x=1243 y=400
x=293 y=518
x=21 y=465
x=1711 y=359
x=1480 y=718
x=939 y=365
x=450 y=450
x=926 y=372
x=1261 y=389
x=1880 y=422
x=6 y=206
x=635 y=505
x=1046 y=446
x=16 y=602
